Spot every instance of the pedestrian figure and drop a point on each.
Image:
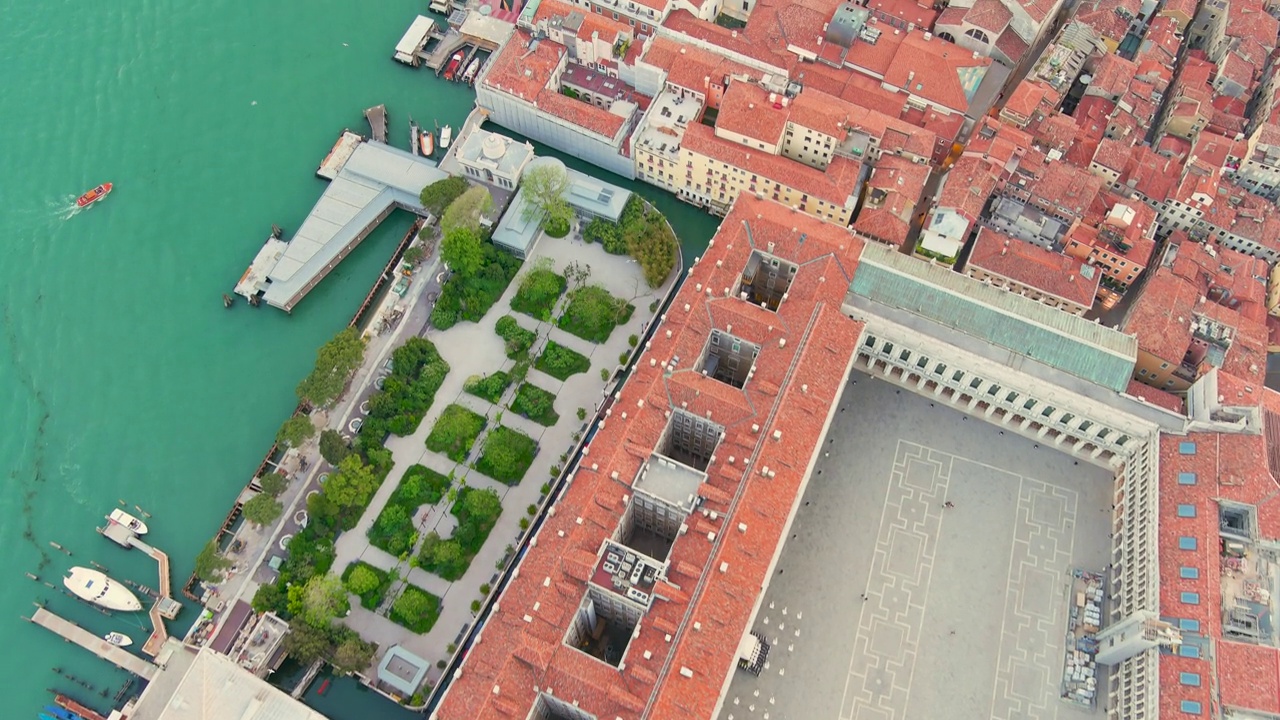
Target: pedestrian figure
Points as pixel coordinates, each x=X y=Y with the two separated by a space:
x=948 y=504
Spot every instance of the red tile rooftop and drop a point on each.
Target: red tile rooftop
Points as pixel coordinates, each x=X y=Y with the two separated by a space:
x=747 y=110
x=876 y=59
x=582 y=114
x=836 y=185
x=1112 y=75
x=1156 y=397
x=1055 y=132
x=1248 y=19
x=908 y=11
x=1151 y=175
x=691 y=67
x=523 y=72
x=1026 y=98
x=1011 y=44
x=1161 y=316
x=894 y=189
x=967 y=185
x=671 y=671
x=935 y=70
x=1113 y=154
x=761 y=49
x=1068 y=187
x=990 y=15
x=1249 y=676
x=1049 y=272
x=608 y=29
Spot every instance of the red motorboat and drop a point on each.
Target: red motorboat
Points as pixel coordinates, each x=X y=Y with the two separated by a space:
x=93 y=195
x=452 y=68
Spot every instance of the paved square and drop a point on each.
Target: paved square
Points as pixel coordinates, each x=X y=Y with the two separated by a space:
x=965 y=609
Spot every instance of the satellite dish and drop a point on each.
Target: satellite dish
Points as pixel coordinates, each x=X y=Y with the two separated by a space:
x=1086 y=79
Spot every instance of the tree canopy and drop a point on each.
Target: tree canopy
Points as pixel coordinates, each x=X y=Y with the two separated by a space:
x=210 y=563
x=306 y=644
x=273 y=483
x=437 y=196
x=544 y=188
x=466 y=211
x=352 y=654
x=296 y=430
x=324 y=599
x=333 y=448
x=462 y=250
x=352 y=485
x=262 y=509
x=335 y=361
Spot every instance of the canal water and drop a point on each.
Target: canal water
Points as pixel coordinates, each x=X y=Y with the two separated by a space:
x=122 y=376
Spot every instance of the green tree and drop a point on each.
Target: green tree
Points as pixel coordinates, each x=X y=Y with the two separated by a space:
x=483 y=504
x=335 y=361
x=269 y=598
x=415 y=254
x=466 y=211
x=210 y=563
x=544 y=188
x=296 y=430
x=323 y=600
x=352 y=654
x=437 y=196
x=274 y=483
x=306 y=644
x=352 y=485
x=557 y=218
x=362 y=580
x=462 y=250
x=333 y=448
x=262 y=509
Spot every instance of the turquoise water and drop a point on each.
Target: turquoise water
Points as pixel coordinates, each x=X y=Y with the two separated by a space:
x=122 y=375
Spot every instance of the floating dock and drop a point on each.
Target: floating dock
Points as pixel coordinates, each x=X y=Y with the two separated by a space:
x=369 y=181
x=409 y=49
x=341 y=151
x=377 y=117
x=72 y=632
x=165 y=607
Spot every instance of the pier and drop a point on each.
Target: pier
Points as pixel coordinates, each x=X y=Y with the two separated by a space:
x=72 y=632
x=410 y=48
x=377 y=117
x=372 y=181
x=165 y=607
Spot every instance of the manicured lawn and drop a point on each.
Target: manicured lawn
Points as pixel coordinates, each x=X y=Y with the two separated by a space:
x=507 y=455
x=539 y=290
x=489 y=387
x=518 y=340
x=363 y=583
x=393 y=531
x=593 y=313
x=536 y=404
x=455 y=432
x=416 y=609
x=477 y=511
x=560 y=362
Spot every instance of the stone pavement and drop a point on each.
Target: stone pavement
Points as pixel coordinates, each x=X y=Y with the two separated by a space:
x=475 y=349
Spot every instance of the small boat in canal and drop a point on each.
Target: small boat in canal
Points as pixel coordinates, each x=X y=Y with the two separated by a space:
x=56 y=713
x=95 y=587
x=470 y=75
x=121 y=517
x=118 y=639
x=93 y=195
x=451 y=69
x=428 y=144
x=446 y=136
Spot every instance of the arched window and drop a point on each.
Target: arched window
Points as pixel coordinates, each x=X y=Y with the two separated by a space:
x=978 y=35
x=947 y=36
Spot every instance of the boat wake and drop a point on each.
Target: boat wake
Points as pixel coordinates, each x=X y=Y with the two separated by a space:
x=65 y=208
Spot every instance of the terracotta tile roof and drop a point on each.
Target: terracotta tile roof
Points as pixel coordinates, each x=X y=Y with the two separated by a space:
x=836 y=185
x=1249 y=676
x=1067 y=187
x=1055 y=132
x=893 y=190
x=591 y=23
x=1049 y=272
x=967 y=185
x=1161 y=316
x=908 y=11
x=685 y=23
x=1185 y=8
x=1012 y=44
x=1109 y=18
x=1248 y=19
x=1039 y=9
x=1156 y=397
x=936 y=70
x=692 y=67
x=790 y=397
x=1112 y=76
x=1026 y=97
x=1162 y=41
x=1153 y=176
x=876 y=59
x=990 y=15
x=953 y=16
x=521 y=71
x=746 y=110
x=1113 y=154
x=582 y=114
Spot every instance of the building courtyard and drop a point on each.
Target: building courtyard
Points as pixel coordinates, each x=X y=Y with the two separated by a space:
x=928 y=571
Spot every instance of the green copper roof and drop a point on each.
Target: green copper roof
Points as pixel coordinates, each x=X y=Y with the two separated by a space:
x=1071 y=344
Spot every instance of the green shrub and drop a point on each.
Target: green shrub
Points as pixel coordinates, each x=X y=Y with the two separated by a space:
x=633 y=340
x=536 y=404
x=518 y=340
x=490 y=387
x=470 y=297
x=582 y=413
x=532 y=510
x=484 y=589
x=475 y=606
x=561 y=362
x=393 y=530
x=539 y=290
x=593 y=313
x=368 y=582
x=604 y=374
x=524 y=523
x=416 y=609
x=455 y=432
x=556 y=227
x=417 y=371
x=477 y=511
x=507 y=455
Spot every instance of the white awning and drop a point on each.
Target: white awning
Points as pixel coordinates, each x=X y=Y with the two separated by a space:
x=414 y=38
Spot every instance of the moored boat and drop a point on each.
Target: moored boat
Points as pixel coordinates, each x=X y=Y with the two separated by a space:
x=428 y=143
x=452 y=68
x=95 y=587
x=94 y=195
x=118 y=639
x=472 y=69
x=121 y=517
x=446 y=135
x=59 y=713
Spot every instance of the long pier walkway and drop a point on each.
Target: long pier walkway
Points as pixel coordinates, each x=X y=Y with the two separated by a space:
x=165 y=607
x=72 y=632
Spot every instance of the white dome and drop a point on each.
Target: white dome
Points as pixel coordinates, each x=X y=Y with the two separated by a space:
x=493 y=146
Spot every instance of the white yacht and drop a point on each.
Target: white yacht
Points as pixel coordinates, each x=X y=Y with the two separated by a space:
x=92 y=586
x=121 y=517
